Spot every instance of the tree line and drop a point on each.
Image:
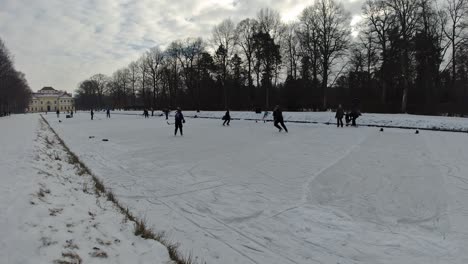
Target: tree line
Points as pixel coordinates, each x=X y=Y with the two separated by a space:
x=408 y=56
x=15 y=93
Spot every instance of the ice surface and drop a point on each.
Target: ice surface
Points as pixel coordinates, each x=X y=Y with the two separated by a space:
x=249 y=194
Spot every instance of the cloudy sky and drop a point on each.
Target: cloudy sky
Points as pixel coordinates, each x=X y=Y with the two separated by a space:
x=61 y=42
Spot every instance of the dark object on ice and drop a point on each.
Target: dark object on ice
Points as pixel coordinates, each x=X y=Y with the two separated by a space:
x=278 y=119
x=381 y=129
x=179 y=119
x=417 y=132
x=227 y=118
x=92 y=114
x=105 y=139
x=60 y=121
x=339 y=116
x=68 y=116
x=91 y=136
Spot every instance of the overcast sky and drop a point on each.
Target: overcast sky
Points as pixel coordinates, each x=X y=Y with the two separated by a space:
x=61 y=42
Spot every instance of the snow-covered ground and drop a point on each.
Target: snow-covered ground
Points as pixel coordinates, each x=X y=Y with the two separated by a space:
x=49 y=211
x=248 y=194
x=367 y=119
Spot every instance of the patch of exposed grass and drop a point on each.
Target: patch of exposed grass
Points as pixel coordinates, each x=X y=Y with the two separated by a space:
x=141 y=228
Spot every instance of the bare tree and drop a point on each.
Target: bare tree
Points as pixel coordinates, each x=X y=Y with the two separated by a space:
x=456 y=30
x=332 y=25
x=154 y=60
x=245 y=31
x=100 y=81
x=291 y=48
x=269 y=22
x=378 y=22
x=225 y=38
x=142 y=76
x=406 y=16
x=133 y=75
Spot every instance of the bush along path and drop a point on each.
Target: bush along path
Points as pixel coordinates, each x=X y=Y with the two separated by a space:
x=80 y=221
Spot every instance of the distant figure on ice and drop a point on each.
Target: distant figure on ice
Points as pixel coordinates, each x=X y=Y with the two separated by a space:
x=166 y=112
x=179 y=119
x=226 y=118
x=278 y=118
x=339 y=116
x=354 y=114
x=58 y=113
x=145 y=113
x=265 y=115
x=108 y=113
x=92 y=114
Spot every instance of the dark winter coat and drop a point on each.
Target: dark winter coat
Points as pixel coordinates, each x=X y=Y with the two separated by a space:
x=227 y=116
x=179 y=118
x=339 y=113
x=278 y=115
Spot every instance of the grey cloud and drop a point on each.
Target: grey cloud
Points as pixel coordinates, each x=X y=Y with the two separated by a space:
x=61 y=42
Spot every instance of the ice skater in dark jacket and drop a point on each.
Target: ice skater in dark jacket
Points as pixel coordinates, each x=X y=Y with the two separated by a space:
x=339 y=116
x=278 y=118
x=179 y=119
x=226 y=118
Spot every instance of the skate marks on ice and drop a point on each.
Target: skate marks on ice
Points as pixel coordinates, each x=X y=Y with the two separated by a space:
x=75 y=224
x=390 y=178
x=392 y=188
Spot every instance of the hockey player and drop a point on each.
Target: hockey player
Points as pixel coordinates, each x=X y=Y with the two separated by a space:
x=339 y=116
x=278 y=119
x=179 y=120
x=226 y=118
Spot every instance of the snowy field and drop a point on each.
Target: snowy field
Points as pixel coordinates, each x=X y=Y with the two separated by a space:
x=49 y=211
x=248 y=194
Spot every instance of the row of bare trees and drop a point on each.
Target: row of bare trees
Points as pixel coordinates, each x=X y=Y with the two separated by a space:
x=408 y=56
x=14 y=89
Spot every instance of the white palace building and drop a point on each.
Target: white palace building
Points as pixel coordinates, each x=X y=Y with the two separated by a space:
x=50 y=100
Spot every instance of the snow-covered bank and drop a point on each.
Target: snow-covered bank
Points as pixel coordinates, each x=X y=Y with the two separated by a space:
x=441 y=123
x=248 y=194
x=50 y=210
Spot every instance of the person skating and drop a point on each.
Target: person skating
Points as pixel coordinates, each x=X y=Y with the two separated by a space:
x=179 y=120
x=278 y=119
x=166 y=112
x=339 y=116
x=92 y=114
x=355 y=113
x=227 y=118
x=58 y=113
x=265 y=115
x=108 y=113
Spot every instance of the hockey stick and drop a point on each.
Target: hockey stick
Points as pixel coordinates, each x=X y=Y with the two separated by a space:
x=170 y=123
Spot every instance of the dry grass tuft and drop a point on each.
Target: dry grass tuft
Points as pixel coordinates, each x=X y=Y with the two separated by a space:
x=141 y=228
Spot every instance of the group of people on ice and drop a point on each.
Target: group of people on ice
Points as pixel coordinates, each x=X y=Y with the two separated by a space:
x=278 y=119
x=350 y=116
